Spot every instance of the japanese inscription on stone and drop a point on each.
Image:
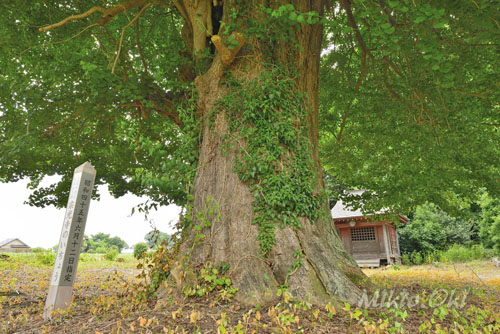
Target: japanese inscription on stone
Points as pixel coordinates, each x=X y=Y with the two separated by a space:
x=68 y=251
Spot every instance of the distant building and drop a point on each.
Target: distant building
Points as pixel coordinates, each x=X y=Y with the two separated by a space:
x=370 y=242
x=14 y=246
x=128 y=250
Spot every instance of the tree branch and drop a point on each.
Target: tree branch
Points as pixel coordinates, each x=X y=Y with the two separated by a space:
x=53 y=127
x=123 y=33
x=228 y=54
x=61 y=41
x=123 y=7
x=364 y=49
x=73 y=18
x=387 y=12
x=352 y=22
x=139 y=48
x=163 y=105
x=107 y=13
x=182 y=9
x=342 y=125
x=364 y=53
x=479 y=95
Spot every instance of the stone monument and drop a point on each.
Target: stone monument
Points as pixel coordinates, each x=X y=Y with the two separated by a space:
x=70 y=242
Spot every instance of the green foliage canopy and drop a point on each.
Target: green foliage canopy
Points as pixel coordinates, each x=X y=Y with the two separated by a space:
x=102 y=242
x=432 y=229
x=409 y=98
x=60 y=105
x=140 y=249
x=490 y=221
x=410 y=101
x=155 y=238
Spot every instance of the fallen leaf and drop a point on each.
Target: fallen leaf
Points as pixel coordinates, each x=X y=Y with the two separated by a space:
x=192 y=317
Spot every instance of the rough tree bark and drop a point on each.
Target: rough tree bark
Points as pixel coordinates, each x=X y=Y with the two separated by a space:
x=328 y=271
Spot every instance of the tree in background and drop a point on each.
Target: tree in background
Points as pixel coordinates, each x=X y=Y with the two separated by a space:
x=490 y=222
x=432 y=229
x=140 y=250
x=333 y=189
x=155 y=238
x=215 y=106
x=101 y=242
x=85 y=244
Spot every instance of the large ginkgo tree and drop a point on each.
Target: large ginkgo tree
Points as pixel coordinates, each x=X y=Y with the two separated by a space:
x=225 y=107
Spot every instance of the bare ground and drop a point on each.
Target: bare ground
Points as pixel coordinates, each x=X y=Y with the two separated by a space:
x=103 y=303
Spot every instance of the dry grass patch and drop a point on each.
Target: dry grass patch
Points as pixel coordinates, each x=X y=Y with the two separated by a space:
x=104 y=303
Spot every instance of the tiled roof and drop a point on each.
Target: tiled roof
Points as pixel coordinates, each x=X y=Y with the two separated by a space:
x=7 y=241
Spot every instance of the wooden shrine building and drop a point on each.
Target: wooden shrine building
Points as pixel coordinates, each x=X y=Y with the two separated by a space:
x=371 y=242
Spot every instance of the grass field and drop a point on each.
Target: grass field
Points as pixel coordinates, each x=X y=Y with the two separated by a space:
x=440 y=298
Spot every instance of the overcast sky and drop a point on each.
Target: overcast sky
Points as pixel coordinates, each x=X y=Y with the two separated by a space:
x=41 y=227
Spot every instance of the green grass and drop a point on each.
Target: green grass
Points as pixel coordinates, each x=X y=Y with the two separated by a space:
x=458 y=253
x=454 y=254
x=46 y=259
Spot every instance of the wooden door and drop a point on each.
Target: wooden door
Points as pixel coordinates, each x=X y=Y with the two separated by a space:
x=364 y=243
x=346 y=239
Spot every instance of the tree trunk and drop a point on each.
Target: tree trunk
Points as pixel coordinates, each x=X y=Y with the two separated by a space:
x=223 y=207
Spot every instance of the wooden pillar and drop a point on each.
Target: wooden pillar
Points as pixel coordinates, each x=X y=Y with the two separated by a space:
x=397 y=241
x=386 y=243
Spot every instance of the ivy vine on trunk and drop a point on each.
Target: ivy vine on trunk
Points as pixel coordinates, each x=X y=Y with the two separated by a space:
x=259 y=161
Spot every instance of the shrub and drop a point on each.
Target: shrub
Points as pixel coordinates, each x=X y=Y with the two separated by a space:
x=490 y=222
x=457 y=253
x=47 y=258
x=432 y=229
x=140 y=250
x=100 y=250
x=111 y=254
x=416 y=258
x=489 y=253
x=84 y=257
x=419 y=258
x=37 y=250
x=405 y=259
